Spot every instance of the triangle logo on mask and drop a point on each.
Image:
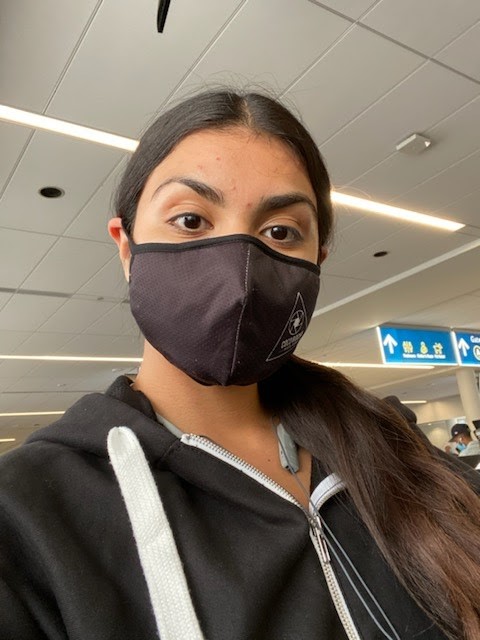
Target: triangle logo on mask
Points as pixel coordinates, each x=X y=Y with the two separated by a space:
x=293 y=331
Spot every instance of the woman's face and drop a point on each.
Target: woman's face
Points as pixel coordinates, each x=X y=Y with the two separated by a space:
x=218 y=183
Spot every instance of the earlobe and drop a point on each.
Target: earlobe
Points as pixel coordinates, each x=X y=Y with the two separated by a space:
x=322 y=254
x=117 y=232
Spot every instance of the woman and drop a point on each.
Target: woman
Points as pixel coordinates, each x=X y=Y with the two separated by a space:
x=232 y=491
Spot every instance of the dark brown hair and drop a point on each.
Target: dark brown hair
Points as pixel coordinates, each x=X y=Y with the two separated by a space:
x=424 y=517
x=223 y=110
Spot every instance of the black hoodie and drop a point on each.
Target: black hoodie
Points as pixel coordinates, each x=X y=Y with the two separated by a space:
x=72 y=559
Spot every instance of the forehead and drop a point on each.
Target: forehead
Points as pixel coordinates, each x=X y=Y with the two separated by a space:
x=235 y=155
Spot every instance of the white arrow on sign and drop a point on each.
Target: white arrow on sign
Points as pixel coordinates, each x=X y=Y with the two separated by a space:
x=463 y=346
x=390 y=343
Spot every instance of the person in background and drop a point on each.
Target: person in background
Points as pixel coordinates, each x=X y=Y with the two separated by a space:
x=465 y=444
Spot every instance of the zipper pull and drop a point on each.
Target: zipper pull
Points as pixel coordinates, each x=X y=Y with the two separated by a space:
x=320 y=537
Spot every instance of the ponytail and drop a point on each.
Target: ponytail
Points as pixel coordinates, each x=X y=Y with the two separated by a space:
x=424 y=517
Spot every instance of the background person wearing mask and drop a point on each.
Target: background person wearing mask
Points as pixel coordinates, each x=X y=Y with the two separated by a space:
x=465 y=444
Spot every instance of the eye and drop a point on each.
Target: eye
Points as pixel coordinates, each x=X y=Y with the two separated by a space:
x=190 y=222
x=282 y=233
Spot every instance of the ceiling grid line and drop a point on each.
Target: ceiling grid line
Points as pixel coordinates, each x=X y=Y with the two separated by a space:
x=50 y=98
x=343 y=15
x=419 y=53
x=200 y=57
x=72 y=55
x=426 y=131
x=439 y=173
x=320 y=57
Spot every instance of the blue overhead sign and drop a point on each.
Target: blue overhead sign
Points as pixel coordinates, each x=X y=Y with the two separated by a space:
x=408 y=345
x=467 y=344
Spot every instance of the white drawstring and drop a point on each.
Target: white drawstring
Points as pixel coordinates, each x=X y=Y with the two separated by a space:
x=161 y=563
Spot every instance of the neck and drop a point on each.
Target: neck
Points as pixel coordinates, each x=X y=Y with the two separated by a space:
x=214 y=411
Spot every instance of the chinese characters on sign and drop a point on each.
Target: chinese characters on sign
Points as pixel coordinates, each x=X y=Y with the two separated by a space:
x=408 y=345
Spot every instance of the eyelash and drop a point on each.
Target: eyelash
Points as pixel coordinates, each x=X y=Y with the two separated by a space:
x=297 y=236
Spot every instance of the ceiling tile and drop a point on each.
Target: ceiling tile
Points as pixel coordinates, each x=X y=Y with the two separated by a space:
x=454 y=138
x=351 y=8
x=12 y=402
x=311 y=28
x=446 y=187
x=76 y=315
x=69 y=265
x=462 y=311
x=15 y=369
x=91 y=222
x=407 y=249
x=35 y=385
x=76 y=166
x=36 y=41
x=11 y=340
x=426 y=26
x=13 y=138
x=334 y=288
x=119 y=321
x=92 y=345
x=27 y=312
x=4 y=298
x=56 y=401
x=463 y=53
x=369 y=231
x=20 y=252
x=129 y=346
x=118 y=87
x=109 y=282
x=337 y=89
x=39 y=344
x=416 y=104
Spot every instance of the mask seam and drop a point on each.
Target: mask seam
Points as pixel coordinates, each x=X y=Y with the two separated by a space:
x=237 y=335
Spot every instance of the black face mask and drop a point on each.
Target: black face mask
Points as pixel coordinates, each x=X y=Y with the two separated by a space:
x=226 y=310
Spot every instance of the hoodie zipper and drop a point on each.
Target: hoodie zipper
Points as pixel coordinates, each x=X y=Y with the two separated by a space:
x=316 y=530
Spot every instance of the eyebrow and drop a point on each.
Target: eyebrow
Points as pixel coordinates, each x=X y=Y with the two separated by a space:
x=204 y=190
x=285 y=200
x=271 y=203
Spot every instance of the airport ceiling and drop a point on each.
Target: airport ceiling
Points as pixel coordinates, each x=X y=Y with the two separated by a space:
x=363 y=75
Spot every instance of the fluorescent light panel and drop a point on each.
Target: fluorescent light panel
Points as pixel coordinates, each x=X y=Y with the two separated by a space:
x=369 y=365
x=71 y=358
x=138 y=360
x=414 y=402
x=38 y=121
x=8 y=439
x=395 y=212
x=31 y=413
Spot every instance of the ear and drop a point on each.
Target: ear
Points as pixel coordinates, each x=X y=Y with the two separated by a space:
x=117 y=232
x=322 y=254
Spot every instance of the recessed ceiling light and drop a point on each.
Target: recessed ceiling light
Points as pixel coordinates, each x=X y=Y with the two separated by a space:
x=380 y=254
x=395 y=212
x=51 y=192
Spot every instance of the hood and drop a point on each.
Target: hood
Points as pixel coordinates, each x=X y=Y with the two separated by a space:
x=86 y=424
